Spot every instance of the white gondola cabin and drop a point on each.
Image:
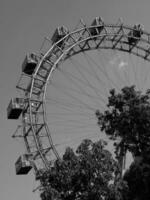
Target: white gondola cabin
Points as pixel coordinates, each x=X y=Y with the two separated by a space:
x=15 y=108
x=29 y=64
x=135 y=34
x=98 y=25
x=59 y=33
x=23 y=165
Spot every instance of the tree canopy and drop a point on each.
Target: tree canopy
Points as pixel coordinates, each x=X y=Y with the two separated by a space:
x=127 y=118
x=138 y=180
x=87 y=174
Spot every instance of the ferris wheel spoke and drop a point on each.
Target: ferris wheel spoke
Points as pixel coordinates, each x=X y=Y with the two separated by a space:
x=69 y=110
x=120 y=65
x=80 y=91
x=96 y=73
x=73 y=118
x=72 y=132
x=81 y=86
x=72 y=123
x=145 y=76
x=138 y=65
x=101 y=80
x=93 y=73
x=69 y=113
x=87 y=78
x=103 y=67
x=134 y=68
x=74 y=140
x=114 y=65
x=81 y=99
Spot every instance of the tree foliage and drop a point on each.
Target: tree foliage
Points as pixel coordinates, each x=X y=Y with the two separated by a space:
x=127 y=117
x=138 y=180
x=87 y=174
x=127 y=120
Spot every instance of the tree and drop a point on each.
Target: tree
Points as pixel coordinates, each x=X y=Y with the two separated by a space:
x=87 y=174
x=138 y=180
x=127 y=119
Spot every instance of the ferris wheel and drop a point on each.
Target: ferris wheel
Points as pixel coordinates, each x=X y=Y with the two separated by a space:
x=64 y=84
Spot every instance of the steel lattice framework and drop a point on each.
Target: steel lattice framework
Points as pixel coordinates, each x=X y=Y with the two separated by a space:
x=34 y=117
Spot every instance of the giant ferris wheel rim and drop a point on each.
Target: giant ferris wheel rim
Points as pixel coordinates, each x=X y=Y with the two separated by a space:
x=115 y=35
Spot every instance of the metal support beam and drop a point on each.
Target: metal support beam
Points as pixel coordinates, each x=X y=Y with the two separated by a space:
x=114 y=45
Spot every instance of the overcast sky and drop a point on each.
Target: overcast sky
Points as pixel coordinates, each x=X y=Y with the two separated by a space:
x=23 y=25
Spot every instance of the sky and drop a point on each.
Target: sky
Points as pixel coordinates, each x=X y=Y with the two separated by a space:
x=23 y=25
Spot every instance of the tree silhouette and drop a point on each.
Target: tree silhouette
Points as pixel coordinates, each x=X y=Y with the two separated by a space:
x=87 y=174
x=127 y=119
x=138 y=180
